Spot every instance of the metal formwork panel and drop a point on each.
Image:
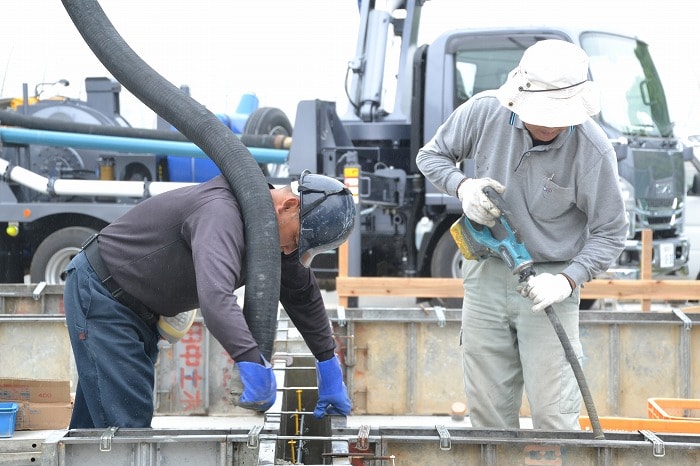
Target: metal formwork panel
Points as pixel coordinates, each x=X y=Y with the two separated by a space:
x=645 y=368
x=33 y=334
x=31 y=299
x=143 y=447
x=408 y=361
x=406 y=368
x=397 y=360
x=182 y=383
x=632 y=356
x=196 y=376
x=459 y=446
x=35 y=347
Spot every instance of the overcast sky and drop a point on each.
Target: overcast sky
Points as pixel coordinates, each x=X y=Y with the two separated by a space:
x=289 y=50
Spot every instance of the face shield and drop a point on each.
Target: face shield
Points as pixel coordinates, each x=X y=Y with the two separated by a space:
x=327 y=214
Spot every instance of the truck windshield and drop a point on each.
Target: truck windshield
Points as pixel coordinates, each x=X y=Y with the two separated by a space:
x=632 y=97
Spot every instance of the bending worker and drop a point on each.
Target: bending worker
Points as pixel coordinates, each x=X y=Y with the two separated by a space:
x=534 y=141
x=185 y=249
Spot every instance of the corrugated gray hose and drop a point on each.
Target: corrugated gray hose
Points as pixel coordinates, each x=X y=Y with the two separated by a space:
x=205 y=130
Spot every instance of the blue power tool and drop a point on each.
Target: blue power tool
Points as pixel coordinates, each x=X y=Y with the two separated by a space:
x=477 y=241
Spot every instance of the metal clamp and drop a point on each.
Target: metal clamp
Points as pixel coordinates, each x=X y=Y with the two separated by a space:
x=38 y=290
x=440 y=314
x=687 y=323
x=106 y=438
x=658 y=448
x=254 y=436
x=445 y=440
x=363 y=438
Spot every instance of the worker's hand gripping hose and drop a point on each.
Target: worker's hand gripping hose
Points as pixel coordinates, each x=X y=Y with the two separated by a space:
x=259 y=386
x=546 y=289
x=332 y=393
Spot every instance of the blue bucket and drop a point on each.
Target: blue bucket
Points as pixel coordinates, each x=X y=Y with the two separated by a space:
x=8 y=416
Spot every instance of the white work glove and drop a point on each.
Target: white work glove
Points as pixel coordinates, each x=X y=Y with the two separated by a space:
x=476 y=205
x=546 y=289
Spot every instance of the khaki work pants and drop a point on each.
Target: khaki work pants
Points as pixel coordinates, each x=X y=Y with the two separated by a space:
x=507 y=348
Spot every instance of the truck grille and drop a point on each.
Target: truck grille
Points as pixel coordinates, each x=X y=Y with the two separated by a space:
x=659 y=220
x=658 y=178
x=657 y=203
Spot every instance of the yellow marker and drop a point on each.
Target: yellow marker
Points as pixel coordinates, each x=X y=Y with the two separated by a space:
x=12 y=230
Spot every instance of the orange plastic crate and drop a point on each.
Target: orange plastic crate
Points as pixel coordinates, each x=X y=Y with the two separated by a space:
x=628 y=424
x=679 y=409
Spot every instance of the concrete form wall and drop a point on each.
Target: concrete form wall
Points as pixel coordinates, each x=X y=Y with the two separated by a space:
x=407 y=361
x=398 y=361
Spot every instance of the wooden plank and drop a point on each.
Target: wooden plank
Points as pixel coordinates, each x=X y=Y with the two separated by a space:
x=399 y=286
x=645 y=290
x=642 y=289
x=343 y=265
x=452 y=288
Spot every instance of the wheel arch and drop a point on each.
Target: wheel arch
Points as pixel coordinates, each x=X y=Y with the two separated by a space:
x=441 y=224
x=38 y=230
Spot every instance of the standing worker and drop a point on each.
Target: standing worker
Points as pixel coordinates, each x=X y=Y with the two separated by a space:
x=533 y=141
x=182 y=250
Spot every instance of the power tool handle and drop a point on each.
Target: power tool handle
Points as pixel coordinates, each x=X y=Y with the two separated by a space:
x=495 y=197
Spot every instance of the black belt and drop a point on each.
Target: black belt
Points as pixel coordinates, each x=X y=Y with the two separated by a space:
x=92 y=252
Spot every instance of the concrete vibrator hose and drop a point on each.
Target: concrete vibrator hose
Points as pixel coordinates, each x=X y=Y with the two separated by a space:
x=205 y=130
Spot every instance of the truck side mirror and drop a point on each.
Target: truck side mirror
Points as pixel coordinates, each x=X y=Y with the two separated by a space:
x=621 y=148
x=687 y=153
x=694 y=189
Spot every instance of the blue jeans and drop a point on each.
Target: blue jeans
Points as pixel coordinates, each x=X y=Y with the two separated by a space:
x=115 y=354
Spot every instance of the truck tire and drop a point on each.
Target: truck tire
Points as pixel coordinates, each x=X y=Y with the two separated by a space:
x=446 y=262
x=271 y=121
x=55 y=252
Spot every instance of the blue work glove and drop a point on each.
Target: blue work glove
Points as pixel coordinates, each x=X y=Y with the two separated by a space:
x=332 y=393
x=259 y=386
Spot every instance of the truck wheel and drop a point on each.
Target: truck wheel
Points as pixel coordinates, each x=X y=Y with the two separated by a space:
x=446 y=262
x=271 y=121
x=55 y=252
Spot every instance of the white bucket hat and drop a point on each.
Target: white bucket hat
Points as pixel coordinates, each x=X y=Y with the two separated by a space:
x=550 y=86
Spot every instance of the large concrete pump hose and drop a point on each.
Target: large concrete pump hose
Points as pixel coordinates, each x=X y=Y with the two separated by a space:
x=205 y=130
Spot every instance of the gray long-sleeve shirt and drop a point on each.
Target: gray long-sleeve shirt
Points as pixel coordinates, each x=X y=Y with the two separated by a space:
x=564 y=196
x=185 y=249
